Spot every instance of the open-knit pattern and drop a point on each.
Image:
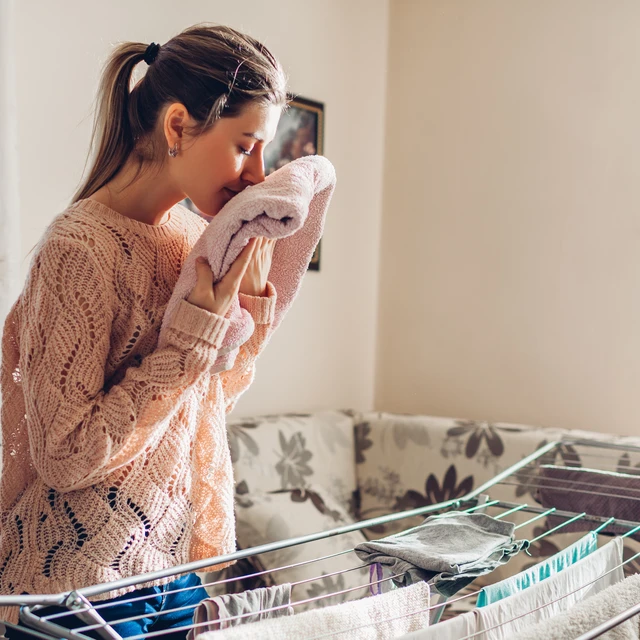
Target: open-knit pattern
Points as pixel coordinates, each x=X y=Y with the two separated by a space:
x=102 y=477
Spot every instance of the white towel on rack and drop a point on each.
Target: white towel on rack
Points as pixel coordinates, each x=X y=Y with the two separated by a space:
x=390 y=615
x=453 y=629
x=506 y=618
x=592 y=612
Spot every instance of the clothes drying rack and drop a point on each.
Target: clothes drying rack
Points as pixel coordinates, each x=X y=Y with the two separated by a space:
x=602 y=455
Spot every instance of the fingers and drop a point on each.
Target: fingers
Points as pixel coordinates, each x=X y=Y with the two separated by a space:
x=239 y=266
x=266 y=250
x=270 y=246
x=264 y=246
x=257 y=248
x=242 y=261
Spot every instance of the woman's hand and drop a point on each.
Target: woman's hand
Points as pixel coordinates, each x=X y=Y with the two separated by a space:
x=254 y=282
x=218 y=298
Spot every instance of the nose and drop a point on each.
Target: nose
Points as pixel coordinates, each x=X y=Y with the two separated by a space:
x=253 y=171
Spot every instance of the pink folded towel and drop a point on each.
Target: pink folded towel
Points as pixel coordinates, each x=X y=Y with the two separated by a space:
x=290 y=205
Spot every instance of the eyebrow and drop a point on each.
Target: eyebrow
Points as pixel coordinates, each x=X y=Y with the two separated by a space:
x=254 y=136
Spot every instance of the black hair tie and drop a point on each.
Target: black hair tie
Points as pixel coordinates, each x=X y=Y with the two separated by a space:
x=151 y=53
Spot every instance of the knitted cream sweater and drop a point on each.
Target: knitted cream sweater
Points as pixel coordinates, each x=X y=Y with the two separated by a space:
x=115 y=458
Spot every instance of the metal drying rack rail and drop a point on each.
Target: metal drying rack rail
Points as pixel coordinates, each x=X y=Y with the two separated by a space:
x=46 y=627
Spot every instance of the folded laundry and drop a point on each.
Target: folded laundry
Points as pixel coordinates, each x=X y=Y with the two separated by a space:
x=448 y=550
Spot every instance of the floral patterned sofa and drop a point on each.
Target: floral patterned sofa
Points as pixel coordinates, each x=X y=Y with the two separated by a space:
x=301 y=473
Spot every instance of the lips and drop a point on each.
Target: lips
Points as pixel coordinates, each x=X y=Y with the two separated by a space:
x=230 y=193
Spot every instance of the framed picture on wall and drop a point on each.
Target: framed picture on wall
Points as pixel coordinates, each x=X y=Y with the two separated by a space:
x=300 y=133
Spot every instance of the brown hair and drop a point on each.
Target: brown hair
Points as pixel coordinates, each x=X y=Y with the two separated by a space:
x=213 y=70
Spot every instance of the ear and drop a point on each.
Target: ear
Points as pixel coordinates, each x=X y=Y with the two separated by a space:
x=176 y=118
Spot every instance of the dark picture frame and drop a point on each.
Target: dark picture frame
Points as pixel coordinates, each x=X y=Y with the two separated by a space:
x=300 y=133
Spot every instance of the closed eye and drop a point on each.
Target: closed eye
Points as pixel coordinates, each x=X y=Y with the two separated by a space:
x=246 y=152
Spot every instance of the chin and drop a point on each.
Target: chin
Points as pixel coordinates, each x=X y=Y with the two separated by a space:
x=212 y=211
x=221 y=199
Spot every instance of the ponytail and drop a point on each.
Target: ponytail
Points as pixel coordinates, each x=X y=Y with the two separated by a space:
x=214 y=71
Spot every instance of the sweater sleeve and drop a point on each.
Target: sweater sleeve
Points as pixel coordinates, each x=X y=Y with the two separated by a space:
x=78 y=432
x=238 y=379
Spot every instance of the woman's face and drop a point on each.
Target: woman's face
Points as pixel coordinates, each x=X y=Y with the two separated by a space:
x=228 y=158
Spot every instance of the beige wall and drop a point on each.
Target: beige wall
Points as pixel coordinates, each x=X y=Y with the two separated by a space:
x=334 y=52
x=510 y=269
x=507 y=255
x=10 y=280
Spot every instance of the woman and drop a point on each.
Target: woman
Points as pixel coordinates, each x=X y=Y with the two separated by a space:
x=100 y=427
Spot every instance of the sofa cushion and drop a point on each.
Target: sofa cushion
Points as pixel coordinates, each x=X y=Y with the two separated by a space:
x=409 y=461
x=268 y=517
x=293 y=451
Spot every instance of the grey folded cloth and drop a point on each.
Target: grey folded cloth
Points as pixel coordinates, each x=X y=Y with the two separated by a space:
x=220 y=609
x=449 y=550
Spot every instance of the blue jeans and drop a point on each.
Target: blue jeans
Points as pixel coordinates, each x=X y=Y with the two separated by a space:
x=158 y=603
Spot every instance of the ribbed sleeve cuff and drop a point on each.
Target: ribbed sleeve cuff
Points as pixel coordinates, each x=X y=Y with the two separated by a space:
x=200 y=323
x=261 y=308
